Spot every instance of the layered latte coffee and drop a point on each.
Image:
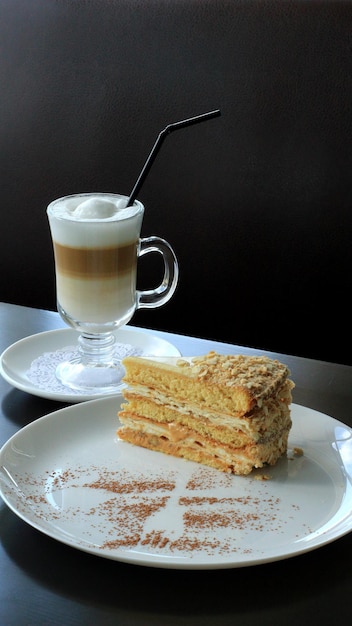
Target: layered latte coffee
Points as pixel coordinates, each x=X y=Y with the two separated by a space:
x=95 y=239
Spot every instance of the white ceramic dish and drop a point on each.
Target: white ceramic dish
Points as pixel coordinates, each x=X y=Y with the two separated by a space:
x=16 y=360
x=68 y=476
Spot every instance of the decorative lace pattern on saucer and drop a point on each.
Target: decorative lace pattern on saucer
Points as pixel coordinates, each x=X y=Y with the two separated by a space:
x=42 y=370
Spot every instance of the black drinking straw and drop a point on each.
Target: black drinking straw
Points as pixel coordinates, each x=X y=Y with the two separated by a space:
x=162 y=135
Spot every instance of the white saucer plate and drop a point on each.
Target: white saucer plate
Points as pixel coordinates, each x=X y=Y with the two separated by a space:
x=68 y=476
x=16 y=360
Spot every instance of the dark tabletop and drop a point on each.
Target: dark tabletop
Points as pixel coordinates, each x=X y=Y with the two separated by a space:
x=45 y=582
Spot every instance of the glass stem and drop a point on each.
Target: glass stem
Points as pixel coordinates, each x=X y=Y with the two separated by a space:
x=97 y=348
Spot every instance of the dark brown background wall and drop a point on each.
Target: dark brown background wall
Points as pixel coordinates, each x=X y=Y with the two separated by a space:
x=257 y=203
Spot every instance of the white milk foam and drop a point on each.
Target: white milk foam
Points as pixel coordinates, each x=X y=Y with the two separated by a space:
x=95 y=220
x=97 y=208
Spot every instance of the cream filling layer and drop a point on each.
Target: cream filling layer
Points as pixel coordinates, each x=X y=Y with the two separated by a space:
x=188 y=441
x=258 y=421
x=227 y=454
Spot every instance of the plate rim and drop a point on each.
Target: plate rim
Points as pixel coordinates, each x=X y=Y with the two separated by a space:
x=335 y=532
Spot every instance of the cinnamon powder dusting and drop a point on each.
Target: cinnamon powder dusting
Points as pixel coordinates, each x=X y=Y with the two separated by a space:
x=161 y=514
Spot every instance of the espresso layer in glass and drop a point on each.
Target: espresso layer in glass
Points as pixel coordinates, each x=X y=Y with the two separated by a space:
x=91 y=263
x=96 y=285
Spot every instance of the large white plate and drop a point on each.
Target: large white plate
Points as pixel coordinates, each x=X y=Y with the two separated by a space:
x=16 y=360
x=68 y=476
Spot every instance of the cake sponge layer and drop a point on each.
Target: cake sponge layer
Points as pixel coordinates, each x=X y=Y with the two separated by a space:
x=229 y=412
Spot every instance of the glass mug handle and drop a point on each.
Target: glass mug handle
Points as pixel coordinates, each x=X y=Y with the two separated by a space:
x=153 y=298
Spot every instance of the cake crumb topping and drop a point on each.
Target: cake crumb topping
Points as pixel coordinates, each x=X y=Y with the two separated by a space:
x=256 y=373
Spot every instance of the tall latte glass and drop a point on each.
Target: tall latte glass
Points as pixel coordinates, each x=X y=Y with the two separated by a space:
x=97 y=243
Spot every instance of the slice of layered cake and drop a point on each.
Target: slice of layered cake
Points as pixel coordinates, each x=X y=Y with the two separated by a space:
x=229 y=412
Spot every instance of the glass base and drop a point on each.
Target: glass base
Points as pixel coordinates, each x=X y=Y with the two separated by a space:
x=91 y=378
x=95 y=370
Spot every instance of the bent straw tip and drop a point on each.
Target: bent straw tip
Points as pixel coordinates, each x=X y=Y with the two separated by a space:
x=181 y=124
